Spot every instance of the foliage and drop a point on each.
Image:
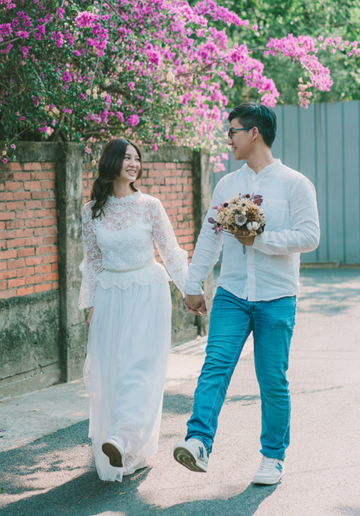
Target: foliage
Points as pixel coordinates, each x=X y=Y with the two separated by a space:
x=326 y=18
x=153 y=70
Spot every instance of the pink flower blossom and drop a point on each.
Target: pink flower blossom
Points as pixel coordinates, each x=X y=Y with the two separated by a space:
x=86 y=19
x=133 y=120
x=131 y=86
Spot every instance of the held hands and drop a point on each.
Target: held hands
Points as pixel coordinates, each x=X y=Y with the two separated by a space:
x=195 y=304
x=244 y=240
x=91 y=312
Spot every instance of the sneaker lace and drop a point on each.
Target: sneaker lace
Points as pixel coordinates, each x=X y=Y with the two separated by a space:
x=130 y=460
x=268 y=464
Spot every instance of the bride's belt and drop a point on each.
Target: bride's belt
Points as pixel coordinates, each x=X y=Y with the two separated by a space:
x=146 y=264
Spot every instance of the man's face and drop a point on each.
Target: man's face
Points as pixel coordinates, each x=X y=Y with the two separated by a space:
x=240 y=141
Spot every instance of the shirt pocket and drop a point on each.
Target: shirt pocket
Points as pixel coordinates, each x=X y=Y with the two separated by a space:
x=276 y=212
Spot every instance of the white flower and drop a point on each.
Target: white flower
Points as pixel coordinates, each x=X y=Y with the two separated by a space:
x=95 y=96
x=103 y=94
x=240 y=220
x=88 y=92
x=170 y=77
x=252 y=226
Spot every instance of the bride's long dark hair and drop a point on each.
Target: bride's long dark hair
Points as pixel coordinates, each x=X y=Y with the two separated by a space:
x=110 y=165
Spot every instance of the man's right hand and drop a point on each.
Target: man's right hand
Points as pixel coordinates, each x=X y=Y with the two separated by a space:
x=195 y=304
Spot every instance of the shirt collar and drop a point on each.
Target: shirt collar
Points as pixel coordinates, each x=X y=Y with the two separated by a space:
x=265 y=170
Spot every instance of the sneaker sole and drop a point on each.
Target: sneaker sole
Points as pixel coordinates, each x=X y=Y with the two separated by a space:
x=114 y=455
x=184 y=457
x=137 y=468
x=268 y=481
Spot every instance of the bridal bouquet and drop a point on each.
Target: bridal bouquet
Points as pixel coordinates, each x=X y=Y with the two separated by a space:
x=241 y=214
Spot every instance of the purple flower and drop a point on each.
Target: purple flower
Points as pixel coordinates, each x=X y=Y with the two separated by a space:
x=131 y=86
x=86 y=19
x=4 y=161
x=133 y=120
x=66 y=77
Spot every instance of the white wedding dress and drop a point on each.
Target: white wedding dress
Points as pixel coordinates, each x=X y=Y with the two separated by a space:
x=130 y=331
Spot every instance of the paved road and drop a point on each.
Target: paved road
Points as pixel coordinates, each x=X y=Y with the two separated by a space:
x=55 y=475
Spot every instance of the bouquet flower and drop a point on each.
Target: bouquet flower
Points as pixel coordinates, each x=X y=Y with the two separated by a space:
x=241 y=214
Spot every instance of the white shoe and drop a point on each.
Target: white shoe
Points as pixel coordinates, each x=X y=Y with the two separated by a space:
x=192 y=454
x=270 y=471
x=111 y=447
x=133 y=463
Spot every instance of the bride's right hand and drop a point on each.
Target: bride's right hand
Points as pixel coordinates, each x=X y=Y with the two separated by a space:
x=91 y=313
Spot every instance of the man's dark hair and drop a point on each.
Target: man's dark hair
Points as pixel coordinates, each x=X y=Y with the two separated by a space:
x=252 y=115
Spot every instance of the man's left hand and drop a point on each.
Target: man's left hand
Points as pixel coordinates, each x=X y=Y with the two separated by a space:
x=244 y=240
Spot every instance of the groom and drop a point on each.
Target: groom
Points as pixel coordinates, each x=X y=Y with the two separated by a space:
x=256 y=291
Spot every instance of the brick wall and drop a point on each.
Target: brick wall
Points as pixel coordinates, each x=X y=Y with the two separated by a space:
x=172 y=184
x=28 y=233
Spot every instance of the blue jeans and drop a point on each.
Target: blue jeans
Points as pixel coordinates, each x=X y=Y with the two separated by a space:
x=232 y=319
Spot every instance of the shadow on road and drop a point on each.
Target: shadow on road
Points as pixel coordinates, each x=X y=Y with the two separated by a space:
x=329 y=291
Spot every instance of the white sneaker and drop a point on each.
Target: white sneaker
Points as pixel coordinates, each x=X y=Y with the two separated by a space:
x=111 y=447
x=192 y=454
x=133 y=463
x=270 y=471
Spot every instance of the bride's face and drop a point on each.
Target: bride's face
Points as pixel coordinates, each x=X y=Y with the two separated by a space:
x=131 y=165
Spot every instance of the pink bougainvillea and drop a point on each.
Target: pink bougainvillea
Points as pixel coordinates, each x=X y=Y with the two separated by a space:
x=77 y=62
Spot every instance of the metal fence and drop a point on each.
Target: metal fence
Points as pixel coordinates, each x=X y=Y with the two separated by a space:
x=323 y=142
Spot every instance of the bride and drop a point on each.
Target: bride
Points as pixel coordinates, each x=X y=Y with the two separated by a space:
x=129 y=319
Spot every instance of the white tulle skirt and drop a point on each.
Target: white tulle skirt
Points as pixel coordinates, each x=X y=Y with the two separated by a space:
x=125 y=368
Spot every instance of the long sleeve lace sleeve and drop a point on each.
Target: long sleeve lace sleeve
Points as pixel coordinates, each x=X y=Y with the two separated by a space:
x=174 y=258
x=91 y=266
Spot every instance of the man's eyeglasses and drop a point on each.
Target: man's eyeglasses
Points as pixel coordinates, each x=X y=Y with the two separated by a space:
x=232 y=130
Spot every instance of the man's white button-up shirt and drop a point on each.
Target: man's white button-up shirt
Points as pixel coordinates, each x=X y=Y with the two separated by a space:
x=270 y=267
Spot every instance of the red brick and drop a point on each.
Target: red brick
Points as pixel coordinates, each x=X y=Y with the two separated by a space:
x=17 y=205
x=33 y=223
x=25 y=271
x=54 y=267
x=2 y=265
x=32 y=280
x=33 y=241
x=14 y=264
x=24 y=232
x=17 y=282
x=42 y=213
x=50 y=259
x=51 y=221
x=2 y=225
x=42 y=231
x=51 y=194
x=14 y=224
x=5 y=255
x=6 y=235
x=8 y=274
x=43 y=288
x=7 y=215
x=12 y=185
x=3 y=285
x=21 y=176
x=47 y=185
x=25 y=291
x=47 y=166
x=7 y=294
x=33 y=205
x=13 y=166
x=50 y=240
x=39 y=175
x=18 y=196
x=49 y=204
x=44 y=250
x=153 y=173
x=55 y=285
x=43 y=269
x=32 y=185
x=54 y=276
x=32 y=166
x=34 y=260
x=40 y=195
x=16 y=242
x=29 y=251
x=25 y=214
x=6 y=196
x=52 y=175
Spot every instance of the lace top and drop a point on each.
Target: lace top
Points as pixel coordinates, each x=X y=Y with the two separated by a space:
x=119 y=250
